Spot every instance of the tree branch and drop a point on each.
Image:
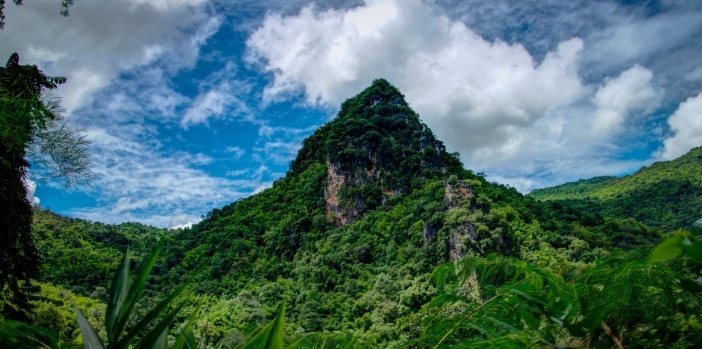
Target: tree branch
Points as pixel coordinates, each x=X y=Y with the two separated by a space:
x=616 y=340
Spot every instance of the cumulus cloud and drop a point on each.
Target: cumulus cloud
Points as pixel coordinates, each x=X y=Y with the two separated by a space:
x=617 y=34
x=686 y=126
x=102 y=39
x=616 y=98
x=120 y=58
x=506 y=112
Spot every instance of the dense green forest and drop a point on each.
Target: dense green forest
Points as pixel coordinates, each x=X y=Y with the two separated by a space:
x=667 y=195
x=377 y=238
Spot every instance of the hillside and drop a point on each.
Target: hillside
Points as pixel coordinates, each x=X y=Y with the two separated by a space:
x=370 y=207
x=667 y=194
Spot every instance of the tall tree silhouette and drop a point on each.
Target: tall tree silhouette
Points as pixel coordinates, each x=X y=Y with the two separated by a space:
x=29 y=125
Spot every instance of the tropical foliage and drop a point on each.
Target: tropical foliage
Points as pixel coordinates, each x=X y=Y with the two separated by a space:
x=634 y=299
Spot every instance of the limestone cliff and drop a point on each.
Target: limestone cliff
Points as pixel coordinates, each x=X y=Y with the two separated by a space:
x=376 y=148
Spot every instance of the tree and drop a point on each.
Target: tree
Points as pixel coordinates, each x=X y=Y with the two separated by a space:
x=30 y=126
x=64 y=9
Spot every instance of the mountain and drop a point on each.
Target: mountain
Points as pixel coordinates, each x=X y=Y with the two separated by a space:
x=369 y=208
x=667 y=194
x=376 y=149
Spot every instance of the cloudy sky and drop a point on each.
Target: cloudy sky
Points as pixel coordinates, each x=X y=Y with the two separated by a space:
x=192 y=104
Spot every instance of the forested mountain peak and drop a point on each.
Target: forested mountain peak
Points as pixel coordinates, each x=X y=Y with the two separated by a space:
x=376 y=148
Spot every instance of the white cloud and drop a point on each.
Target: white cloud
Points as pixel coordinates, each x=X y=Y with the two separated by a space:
x=236 y=152
x=139 y=182
x=263 y=187
x=31 y=190
x=505 y=113
x=237 y=173
x=166 y=5
x=632 y=38
x=616 y=98
x=185 y=225
x=100 y=40
x=99 y=214
x=212 y=103
x=279 y=152
x=221 y=96
x=686 y=125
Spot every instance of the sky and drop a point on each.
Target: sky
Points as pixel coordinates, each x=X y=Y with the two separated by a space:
x=192 y=104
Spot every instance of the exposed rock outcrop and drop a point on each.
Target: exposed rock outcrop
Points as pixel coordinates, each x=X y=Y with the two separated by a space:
x=334 y=184
x=458 y=195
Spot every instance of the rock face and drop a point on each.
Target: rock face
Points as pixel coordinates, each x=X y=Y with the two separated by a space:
x=457 y=238
x=341 y=208
x=458 y=194
x=334 y=184
x=375 y=149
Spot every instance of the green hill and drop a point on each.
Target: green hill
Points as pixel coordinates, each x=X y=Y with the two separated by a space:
x=370 y=207
x=667 y=194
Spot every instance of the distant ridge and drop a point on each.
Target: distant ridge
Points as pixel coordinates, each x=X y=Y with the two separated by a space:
x=667 y=194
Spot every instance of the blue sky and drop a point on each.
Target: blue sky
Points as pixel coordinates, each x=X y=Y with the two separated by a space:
x=192 y=104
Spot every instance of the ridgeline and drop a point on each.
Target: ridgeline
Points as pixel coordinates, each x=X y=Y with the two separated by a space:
x=667 y=194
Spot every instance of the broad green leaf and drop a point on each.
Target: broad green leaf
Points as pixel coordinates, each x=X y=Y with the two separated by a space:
x=135 y=288
x=184 y=335
x=271 y=336
x=90 y=336
x=667 y=250
x=528 y=318
x=162 y=341
x=275 y=337
x=259 y=339
x=525 y=295
x=154 y=312
x=480 y=329
x=695 y=251
x=118 y=293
